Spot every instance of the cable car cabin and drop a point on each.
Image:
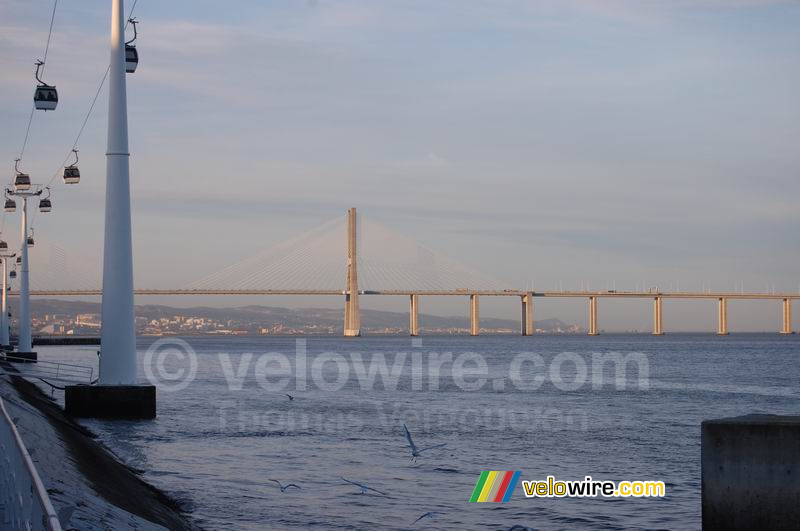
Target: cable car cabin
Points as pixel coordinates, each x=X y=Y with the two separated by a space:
x=131 y=58
x=22 y=181
x=45 y=98
x=30 y=241
x=45 y=205
x=72 y=175
x=11 y=205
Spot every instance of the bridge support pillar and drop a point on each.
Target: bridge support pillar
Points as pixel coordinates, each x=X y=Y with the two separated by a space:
x=722 y=316
x=527 y=314
x=658 y=322
x=474 y=317
x=787 y=317
x=352 y=317
x=413 y=316
x=593 y=316
x=352 y=313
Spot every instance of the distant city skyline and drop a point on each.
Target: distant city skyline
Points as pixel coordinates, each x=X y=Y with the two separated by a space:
x=595 y=143
x=58 y=317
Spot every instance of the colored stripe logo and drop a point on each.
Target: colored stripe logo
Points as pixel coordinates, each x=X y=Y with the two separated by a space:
x=494 y=486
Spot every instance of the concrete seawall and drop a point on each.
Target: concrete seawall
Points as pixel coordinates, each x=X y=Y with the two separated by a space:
x=80 y=473
x=751 y=473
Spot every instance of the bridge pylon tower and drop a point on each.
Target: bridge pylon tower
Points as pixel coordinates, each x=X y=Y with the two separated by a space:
x=352 y=314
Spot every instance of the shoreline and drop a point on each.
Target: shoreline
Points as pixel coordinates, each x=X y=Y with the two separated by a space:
x=81 y=473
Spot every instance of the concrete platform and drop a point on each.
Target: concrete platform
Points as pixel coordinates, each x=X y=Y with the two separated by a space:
x=66 y=340
x=751 y=472
x=21 y=357
x=111 y=401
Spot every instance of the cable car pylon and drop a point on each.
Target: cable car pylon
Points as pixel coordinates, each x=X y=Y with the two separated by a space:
x=24 y=189
x=6 y=258
x=118 y=393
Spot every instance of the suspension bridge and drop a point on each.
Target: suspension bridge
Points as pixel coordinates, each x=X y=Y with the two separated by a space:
x=351 y=257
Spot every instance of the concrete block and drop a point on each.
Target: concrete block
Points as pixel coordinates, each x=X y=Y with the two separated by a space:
x=751 y=473
x=111 y=401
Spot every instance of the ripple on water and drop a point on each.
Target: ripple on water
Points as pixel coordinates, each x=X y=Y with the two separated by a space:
x=221 y=469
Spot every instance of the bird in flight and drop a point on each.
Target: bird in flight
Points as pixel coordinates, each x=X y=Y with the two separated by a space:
x=415 y=450
x=429 y=514
x=284 y=487
x=363 y=487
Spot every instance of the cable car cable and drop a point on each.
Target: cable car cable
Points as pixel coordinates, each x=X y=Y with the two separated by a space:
x=88 y=113
x=46 y=50
x=27 y=132
x=83 y=126
x=49 y=34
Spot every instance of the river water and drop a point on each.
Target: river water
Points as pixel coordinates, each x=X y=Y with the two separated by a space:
x=219 y=440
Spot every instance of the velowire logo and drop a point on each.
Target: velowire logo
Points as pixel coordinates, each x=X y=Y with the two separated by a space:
x=495 y=486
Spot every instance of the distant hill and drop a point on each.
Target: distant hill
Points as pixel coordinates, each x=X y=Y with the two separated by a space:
x=254 y=318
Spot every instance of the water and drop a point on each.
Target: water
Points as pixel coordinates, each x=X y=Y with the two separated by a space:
x=215 y=448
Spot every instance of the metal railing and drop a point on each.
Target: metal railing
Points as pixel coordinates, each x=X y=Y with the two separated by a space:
x=24 y=502
x=54 y=370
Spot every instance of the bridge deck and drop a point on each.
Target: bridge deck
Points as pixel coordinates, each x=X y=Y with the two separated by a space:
x=503 y=293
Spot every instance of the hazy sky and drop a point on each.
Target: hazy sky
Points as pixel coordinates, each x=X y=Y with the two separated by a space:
x=603 y=142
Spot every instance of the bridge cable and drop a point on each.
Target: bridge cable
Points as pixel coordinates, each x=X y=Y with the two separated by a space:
x=259 y=270
x=316 y=260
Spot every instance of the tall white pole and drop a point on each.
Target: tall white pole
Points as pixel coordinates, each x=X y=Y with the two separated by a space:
x=118 y=335
x=24 y=344
x=4 y=339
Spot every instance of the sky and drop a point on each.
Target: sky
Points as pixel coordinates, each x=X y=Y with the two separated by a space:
x=608 y=144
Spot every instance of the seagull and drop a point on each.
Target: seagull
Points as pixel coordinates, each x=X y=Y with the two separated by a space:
x=363 y=488
x=429 y=514
x=284 y=487
x=290 y=397
x=416 y=452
